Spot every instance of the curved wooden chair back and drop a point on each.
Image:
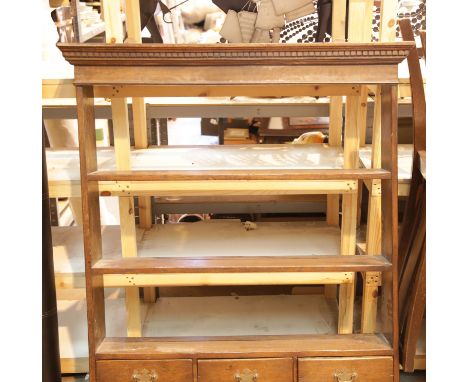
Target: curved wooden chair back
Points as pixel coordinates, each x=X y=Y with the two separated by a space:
x=412 y=248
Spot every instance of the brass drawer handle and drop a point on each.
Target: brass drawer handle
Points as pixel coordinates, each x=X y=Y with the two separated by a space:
x=246 y=376
x=345 y=376
x=144 y=376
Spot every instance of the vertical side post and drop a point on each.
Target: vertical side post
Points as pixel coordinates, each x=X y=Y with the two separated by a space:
x=360 y=20
x=335 y=140
x=339 y=21
x=388 y=17
x=140 y=128
x=374 y=226
x=390 y=218
x=126 y=209
x=349 y=211
x=91 y=223
x=336 y=123
x=115 y=34
x=114 y=26
x=388 y=13
x=360 y=30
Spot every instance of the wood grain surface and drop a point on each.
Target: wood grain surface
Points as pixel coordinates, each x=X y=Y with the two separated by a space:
x=140 y=371
x=367 y=369
x=226 y=370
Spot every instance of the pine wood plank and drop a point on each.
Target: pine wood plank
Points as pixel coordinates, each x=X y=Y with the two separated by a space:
x=126 y=207
x=360 y=20
x=224 y=188
x=349 y=213
x=114 y=27
x=133 y=25
x=388 y=20
x=115 y=34
x=339 y=21
x=374 y=217
x=226 y=279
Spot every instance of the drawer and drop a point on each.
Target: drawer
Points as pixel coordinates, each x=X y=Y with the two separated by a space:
x=361 y=369
x=145 y=371
x=246 y=370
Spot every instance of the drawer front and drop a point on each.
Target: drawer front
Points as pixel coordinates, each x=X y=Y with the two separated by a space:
x=362 y=369
x=246 y=370
x=145 y=371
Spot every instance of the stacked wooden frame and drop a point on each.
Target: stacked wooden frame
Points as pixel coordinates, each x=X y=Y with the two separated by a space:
x=119 y=71
x=412 y=259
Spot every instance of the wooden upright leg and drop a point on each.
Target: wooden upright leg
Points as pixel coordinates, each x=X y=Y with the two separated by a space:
x=349 y=212
x=362 y=121
x=348 y=248
x=333 y=201
x=390 y=218
x=144 y=202
x=374 y=225
x=336 y=123
x=91 y=223
x=132 y=10
x=126 y=209
x=388 y=13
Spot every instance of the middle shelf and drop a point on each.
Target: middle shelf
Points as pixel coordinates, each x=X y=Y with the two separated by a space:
x=216 y=252
x=213 y=170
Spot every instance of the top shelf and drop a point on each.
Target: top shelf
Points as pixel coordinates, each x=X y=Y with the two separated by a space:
x=152 y=70
x=235 y=54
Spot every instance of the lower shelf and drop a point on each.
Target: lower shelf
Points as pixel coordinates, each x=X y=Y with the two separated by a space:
x=216 y=327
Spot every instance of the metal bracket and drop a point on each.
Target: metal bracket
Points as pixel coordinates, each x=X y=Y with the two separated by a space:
x=144 y=376
x=246 y=376
x=345 y=376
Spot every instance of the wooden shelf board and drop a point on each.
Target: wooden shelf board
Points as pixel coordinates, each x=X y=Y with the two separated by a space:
x=232 y=324
x=64 y=164
x=241 y=326
x=243 y=265
x=207 y=175
x=319 y=167
x=69 y=253
x=173 y=243
x=405 y=160
x=405 y=163
x=209 y=188
x=190 y=254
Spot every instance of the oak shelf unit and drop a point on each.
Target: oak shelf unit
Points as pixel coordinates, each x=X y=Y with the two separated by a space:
x=122 y=70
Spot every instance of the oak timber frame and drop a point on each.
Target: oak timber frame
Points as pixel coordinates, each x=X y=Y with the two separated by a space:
x=123 y=70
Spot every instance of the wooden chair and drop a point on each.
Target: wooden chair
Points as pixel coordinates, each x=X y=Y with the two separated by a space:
x=412 y=252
